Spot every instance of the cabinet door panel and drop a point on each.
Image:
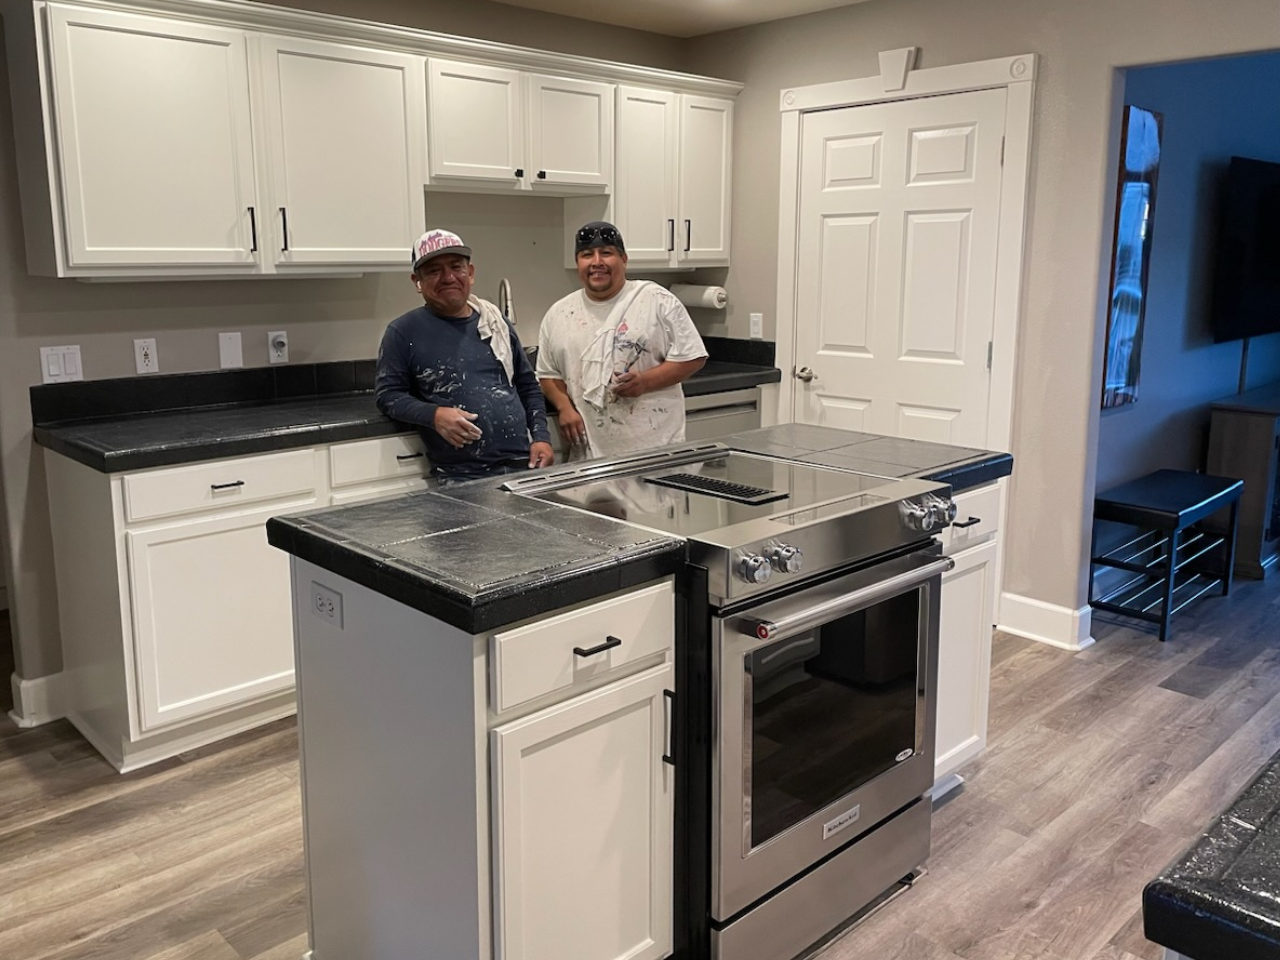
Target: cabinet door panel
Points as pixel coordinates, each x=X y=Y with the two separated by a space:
x=344 y=129
x=582 y=827
x=154 y=140
x=706 y=144
x=645 y=201
x=474 y=118
x=964 y=658
x=570 y=132
x=212 y=616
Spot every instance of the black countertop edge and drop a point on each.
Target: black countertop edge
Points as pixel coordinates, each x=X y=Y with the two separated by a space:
x=719 y=376
x=486 y=610
x=972 y=473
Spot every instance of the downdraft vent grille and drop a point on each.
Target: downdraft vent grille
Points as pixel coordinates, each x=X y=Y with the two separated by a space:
x=723 y=489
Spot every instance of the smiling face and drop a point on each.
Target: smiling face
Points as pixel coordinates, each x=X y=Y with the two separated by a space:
x=445 y=282
x=603 y=271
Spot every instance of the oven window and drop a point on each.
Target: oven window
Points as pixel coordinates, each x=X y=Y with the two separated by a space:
x=829 y=710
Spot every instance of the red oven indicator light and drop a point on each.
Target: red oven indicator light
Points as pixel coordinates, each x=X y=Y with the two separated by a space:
x=763 y=630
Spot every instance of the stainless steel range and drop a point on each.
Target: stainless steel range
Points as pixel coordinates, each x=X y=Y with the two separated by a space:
x=807 y=662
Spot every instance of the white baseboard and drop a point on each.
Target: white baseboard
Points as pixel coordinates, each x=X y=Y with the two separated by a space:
x=37 y=701
x=1045 y=622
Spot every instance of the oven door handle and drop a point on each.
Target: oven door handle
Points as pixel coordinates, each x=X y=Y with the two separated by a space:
x=828 y=610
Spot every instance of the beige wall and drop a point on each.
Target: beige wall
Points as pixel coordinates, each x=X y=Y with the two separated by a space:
x=1080 y=43
x=326 y=319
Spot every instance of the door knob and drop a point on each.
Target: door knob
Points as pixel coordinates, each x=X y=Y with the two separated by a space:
x=806 y=374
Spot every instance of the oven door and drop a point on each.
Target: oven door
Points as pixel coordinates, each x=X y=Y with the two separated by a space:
x=825 y=720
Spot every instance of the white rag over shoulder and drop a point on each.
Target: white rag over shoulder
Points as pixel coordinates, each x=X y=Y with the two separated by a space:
x=597 y=359
x=493 y=327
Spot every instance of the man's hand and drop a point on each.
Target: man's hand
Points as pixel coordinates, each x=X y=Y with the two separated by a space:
x=454 y=424
x=572 y=427
x=540 y=454
x=629 y=384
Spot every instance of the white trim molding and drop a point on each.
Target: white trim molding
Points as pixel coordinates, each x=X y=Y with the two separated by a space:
x=37 y=701
x=1017 y=76
x=1045 y=622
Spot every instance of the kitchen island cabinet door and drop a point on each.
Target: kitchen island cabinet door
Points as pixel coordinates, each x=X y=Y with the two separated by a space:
x=344 y=128
x=155 y=148
x=583 y=826
x=964 y=658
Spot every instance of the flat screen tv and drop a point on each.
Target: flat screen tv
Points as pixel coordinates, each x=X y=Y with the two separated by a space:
x=1246 y=286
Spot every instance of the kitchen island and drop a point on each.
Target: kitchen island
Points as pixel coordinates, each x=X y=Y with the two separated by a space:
x=489 y=704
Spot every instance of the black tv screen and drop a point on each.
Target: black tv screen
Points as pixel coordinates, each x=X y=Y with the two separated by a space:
x=1246 y=288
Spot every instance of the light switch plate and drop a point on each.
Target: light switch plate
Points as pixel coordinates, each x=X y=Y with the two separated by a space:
x=60 y=364
x=757 y=326
x=230 y=351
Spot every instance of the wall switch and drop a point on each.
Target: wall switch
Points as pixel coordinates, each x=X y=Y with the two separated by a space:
x=230 y=353
x=60 y=364
x=145 y=357
x=757 y=326
x=278 y=346
x=326 y=604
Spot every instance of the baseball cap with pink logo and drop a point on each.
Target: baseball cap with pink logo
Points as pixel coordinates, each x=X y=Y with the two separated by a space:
x=434 y=243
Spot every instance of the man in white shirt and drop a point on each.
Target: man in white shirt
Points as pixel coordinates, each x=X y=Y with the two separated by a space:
x=612 y=356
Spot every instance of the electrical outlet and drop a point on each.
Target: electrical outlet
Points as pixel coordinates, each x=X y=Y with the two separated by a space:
x=326 y=604
x=278 y=346
x=145 y=356
x=60 y=364
x=230 y=352
x=757 y=326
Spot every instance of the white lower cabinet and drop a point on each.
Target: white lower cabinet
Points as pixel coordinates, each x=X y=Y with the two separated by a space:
x=582 y=809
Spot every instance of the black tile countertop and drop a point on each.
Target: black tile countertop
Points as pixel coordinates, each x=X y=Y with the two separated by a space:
x=1221 y=899
x=718 y=376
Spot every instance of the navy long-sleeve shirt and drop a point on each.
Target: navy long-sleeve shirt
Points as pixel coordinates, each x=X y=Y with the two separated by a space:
x=427 y=361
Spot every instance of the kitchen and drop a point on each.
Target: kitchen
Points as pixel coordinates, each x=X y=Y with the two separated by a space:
x=186 y=319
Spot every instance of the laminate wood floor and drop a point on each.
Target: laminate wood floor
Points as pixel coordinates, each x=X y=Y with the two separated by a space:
x=1101 y=766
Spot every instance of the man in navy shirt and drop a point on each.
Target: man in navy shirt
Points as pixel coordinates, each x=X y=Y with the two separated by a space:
x=454 y=368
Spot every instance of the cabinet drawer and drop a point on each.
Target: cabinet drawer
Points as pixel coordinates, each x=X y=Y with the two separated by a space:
x=540 y=658
x=214 y=486
x=384 y=458
x=982 y=504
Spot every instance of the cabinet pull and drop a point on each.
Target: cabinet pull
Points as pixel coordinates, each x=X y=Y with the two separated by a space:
x=519 y=173
x=284 y=228
x=967 y=523
x=688 y=235
x=609 y=644
x=253 y=230
x=408 y=456
x=542 y=174
x=671 y=242
x=669 y=702
x=226 y=486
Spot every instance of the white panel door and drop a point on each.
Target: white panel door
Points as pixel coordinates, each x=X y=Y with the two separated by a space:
x=345 y=133
x=582 y=808
x=570 y=131
x=644 y=203
x=706 y=148
x=964 y=657
x=155 y=148
x=896 y=269
x=212 y=615
x=475 y=122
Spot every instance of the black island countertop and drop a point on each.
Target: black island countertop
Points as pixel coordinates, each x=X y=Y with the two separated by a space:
x=478 y=557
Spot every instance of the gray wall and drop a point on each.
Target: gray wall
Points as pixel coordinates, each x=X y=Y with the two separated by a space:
x=1076 y=123
x=1212 y=110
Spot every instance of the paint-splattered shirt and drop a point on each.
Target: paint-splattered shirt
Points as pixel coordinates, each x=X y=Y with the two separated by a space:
x=428 y=361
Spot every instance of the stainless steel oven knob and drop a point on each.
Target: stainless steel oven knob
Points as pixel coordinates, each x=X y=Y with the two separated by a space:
x=786 y=558
x=918 y=516
x=944 y=510
x=755 y=569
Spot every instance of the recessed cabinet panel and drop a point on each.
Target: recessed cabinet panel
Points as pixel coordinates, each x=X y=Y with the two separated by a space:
x=645 y=200
x=706 y=141
x=570 y=132
x=475 y=120
x=154 y=142
x=345 y=133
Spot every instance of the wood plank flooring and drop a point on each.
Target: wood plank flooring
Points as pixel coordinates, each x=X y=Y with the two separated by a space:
x=1101 y=767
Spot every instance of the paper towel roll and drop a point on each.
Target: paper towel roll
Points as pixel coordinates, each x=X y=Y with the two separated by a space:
x=692 y=295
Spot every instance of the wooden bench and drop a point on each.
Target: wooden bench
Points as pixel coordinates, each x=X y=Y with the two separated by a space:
x=1172 y=563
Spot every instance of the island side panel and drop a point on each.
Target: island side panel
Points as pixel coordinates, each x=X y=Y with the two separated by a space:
x=391 y=719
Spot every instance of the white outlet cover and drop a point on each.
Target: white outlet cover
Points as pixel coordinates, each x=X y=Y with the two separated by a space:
x=146 y=358
x=277 y=354
x=326 y=604
x=230 y=351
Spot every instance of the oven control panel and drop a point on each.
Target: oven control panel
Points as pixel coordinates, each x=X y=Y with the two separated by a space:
x=758 y=567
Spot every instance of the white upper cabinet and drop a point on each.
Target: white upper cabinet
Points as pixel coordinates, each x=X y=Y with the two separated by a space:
x=343 y=128
x=518 y=131
x=674 y=158
x=154 y=141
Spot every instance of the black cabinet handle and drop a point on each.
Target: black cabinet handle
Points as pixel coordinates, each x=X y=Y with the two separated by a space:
x=669 y=699
x=609 y=644
x=967 y=523
x=519 y=173
x=542 y=174
x=226 y=486
x=408 y=456
x=671 y=242
x=688 y=235
x=253 y=230
x=284 y=227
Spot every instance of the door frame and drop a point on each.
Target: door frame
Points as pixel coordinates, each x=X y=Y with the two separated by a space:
x=897 y=81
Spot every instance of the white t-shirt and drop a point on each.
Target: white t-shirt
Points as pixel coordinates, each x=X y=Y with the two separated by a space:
x=655 y=327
